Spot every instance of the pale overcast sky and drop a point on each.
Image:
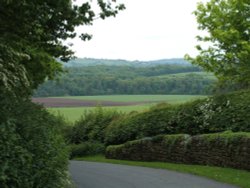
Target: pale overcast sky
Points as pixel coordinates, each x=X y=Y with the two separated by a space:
x=146 y=30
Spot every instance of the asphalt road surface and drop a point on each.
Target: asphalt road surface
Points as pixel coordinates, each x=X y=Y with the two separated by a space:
x=103 y=175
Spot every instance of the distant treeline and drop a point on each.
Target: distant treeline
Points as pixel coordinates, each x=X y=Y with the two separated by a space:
x=79 y=62
x=106 y=80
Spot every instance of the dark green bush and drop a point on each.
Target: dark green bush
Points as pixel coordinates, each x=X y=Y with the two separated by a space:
x=215 y=114
x=86 y=148
x=33 y=153
x=91 y=126
x=217 y=149
x=158 y=148
x=15 y=160
x=135 y=126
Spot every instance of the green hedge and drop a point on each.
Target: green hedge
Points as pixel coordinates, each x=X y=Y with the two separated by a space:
x=215 y=114
x=218 y=149
x=86 y=148
x=33 y=153
x=139 y=125
x=91 y=126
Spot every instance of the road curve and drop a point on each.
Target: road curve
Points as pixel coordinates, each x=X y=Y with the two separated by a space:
x=103 y=175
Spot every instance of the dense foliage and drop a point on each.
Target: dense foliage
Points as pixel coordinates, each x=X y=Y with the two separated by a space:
x=85 y=149
x=86 y=137
x=228 y=35
x=33 y=153
x=31 y=40
x=219 y=149
x=118 y=79
x=139 y=125
x=215 y=114
x=36 y=30
x=91 y=126
x=13 y=76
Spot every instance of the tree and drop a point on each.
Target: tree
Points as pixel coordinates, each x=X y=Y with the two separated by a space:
x=33 y=153
x=227 y=23
x=36 y=30
x=13 y=77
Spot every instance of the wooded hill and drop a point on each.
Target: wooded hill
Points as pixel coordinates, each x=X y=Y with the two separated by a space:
x=119 y=62
x=106 y=77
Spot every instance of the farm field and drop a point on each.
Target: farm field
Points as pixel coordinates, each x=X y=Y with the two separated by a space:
x=131 y=101
x=171 y=99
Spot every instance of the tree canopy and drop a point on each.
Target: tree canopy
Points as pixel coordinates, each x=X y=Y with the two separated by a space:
x=227 y=49
x=32 y=34
x=113 y=80
x=33 y=152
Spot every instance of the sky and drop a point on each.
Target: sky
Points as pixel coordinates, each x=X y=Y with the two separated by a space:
x=146 y=30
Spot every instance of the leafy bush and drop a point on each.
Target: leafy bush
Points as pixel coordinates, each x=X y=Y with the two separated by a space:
x=215 y=114
x=135 y=126
x=86 y=148
x=33 y=153
x=14 y=171
x=219 y=149
x=91 y=126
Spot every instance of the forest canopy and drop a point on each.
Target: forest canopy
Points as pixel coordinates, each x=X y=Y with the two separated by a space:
x=104 y=77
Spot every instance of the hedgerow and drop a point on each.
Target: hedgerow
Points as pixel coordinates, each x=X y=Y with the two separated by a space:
x=91 y=126
x=33 y=153
x=214 y=114
x=86 y=148
x=135 y=126
x=217 y=149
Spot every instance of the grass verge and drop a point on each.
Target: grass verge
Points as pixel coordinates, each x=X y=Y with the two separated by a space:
x=236 y=177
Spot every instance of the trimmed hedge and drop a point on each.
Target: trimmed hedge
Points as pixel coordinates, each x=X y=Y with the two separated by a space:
x=86 y=148
x=215 y=114
x=138 y=125
x=219 y=149
x=91 y=126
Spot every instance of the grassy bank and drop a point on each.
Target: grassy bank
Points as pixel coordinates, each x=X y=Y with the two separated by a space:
x=231 y=176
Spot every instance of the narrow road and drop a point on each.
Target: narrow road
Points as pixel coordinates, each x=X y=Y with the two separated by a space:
x=102 y=175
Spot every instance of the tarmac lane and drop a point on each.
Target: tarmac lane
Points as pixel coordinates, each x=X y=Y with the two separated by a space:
x=104 y=175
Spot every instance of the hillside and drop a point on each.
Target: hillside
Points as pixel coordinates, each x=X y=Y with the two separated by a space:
x=79 y=62
x=101 y=78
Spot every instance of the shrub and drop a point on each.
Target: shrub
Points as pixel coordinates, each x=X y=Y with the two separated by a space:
x=135 y=126
x=33 y=153
x=215 y=114
x=92 y=125
x=218 y=149
x=86 y=148
x=15 y=160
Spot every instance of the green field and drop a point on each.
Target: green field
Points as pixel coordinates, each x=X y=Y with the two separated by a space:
x=172 y=99
x=72 y=114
